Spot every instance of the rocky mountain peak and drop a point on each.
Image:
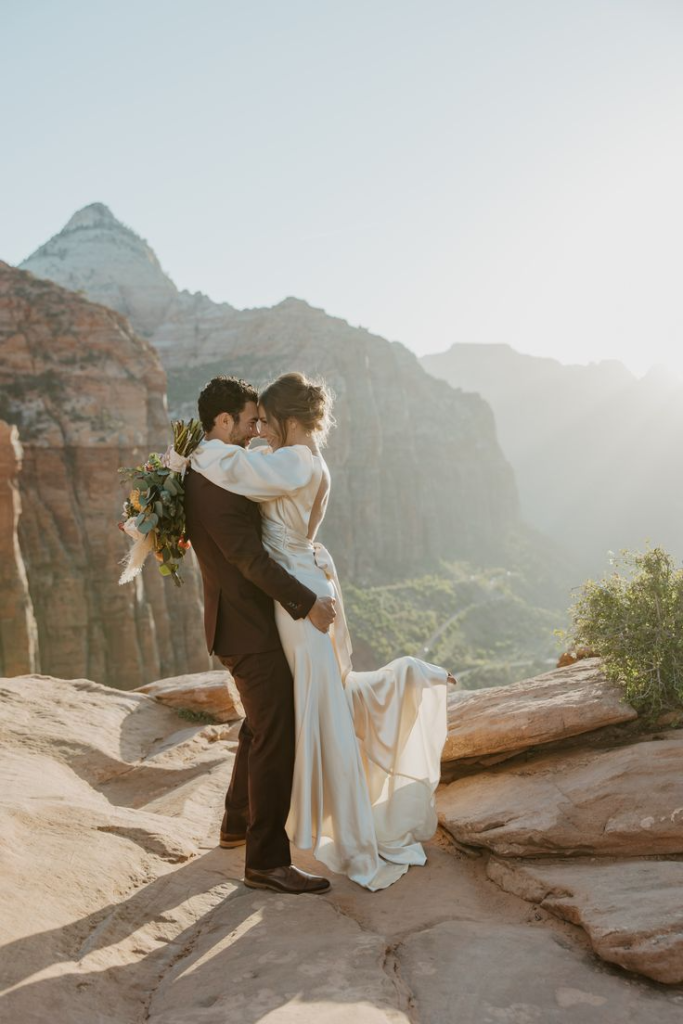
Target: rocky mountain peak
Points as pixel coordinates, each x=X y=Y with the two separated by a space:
x=96 y=254
x=291 y=302
x=93 y=215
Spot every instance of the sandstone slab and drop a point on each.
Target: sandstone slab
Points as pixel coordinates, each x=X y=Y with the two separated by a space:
x=114 y=909
x=101 y=794
x=551 y=707
x=297 y=960
x=210 y=693
x=631 y=910
x=622 y=802
x=118 y=907
x=482 y=973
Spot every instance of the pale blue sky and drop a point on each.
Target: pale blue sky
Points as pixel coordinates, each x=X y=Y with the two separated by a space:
x=482 y=171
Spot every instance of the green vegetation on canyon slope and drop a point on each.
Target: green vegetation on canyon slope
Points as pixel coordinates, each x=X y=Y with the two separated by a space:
x=477 y=623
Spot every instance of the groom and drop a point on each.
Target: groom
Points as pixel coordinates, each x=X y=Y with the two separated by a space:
x=241 y=582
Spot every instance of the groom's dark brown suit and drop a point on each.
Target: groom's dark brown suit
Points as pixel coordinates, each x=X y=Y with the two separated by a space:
x=241 y=582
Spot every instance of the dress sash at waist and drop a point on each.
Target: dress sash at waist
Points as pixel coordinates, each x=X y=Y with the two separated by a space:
x=278 y=536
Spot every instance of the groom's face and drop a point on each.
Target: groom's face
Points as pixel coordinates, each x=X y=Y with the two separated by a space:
x=246 y=426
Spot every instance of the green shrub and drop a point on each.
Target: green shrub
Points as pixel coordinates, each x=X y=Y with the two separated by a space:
x=634 y=620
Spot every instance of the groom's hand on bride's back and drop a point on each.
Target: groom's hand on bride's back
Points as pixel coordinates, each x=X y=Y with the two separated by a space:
x=323 y=613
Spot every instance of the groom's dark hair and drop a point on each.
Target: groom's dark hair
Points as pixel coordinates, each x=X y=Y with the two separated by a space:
x=224 y=394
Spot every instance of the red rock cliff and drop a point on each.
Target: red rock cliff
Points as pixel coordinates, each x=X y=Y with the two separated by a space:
x=18 y=631
x=87 y=396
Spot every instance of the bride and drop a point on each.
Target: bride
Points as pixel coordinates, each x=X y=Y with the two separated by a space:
x=368 y=744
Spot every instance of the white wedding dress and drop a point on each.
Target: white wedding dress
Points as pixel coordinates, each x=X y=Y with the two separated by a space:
x=368 y=744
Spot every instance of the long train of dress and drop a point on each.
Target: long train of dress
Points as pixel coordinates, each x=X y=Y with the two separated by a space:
x=368 y=744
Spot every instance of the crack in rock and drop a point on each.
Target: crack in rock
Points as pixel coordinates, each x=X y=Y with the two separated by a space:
x=406 y=1003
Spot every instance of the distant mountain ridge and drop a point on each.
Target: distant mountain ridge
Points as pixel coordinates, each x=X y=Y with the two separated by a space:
x=595 y=450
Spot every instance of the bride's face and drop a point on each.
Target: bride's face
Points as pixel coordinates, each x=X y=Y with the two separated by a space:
x=269 y=429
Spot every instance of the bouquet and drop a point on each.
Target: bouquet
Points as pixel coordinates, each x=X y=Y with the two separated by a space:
x=153 y=512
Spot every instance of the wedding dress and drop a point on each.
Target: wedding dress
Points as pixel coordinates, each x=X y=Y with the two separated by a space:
x=368 y=744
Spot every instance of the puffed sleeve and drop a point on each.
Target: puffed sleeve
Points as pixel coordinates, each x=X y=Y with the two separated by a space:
x=257 y=473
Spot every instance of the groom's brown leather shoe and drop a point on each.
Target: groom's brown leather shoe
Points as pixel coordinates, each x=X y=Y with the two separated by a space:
x=286 y=879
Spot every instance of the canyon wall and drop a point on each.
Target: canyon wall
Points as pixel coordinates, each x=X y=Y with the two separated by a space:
x=18 y=629
x=86 y=396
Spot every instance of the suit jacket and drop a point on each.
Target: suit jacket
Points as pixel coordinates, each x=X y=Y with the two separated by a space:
x=241 y=580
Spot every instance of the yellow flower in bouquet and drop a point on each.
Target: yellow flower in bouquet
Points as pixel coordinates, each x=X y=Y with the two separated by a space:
x=134 y=499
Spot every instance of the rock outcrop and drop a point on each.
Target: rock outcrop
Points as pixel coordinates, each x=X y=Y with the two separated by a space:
x=564 y=826
x=87 y=396
x=492 y=958
x=418 y=473
x=18 y=630
x=631 y=910
x=544 y=709
x=118 y=904
x=481 y=723
x=205 y=693
x=622 y=802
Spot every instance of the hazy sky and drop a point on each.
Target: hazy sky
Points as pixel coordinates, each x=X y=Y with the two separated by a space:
x=480 y=171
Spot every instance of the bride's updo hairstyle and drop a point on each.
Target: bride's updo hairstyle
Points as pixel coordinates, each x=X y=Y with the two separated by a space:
x=293 y=396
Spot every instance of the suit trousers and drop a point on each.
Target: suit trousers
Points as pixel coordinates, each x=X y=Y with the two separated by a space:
x=258 y=797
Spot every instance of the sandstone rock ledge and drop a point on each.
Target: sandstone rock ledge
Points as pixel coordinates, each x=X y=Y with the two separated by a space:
x=594 y=804
x=545 y=709
x=210 y=693
x=632 y=910
x=622 y=802
x=119 y=908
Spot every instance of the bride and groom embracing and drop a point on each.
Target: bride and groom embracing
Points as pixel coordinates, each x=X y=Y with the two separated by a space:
x=339 y=762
